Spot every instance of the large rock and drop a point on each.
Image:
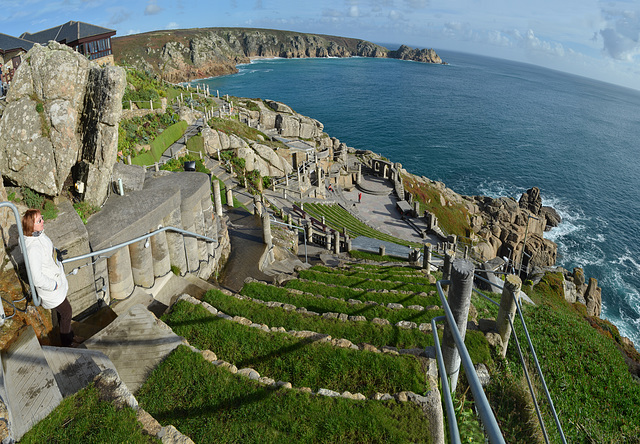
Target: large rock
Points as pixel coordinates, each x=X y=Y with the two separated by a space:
x=531 y=200
x=62 y=111
x=593 y=298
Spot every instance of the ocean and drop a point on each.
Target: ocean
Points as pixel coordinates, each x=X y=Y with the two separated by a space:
x=486 y=126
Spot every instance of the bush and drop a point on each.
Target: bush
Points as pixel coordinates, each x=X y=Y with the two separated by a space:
x=31 y=198
x=84 y=210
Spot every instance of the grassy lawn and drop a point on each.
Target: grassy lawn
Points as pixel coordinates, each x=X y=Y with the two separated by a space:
x=211 y=405
x=591 y=387
x=84 y=418
x=338 y=218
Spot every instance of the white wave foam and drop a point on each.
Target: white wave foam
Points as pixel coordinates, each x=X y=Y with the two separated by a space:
x=627 y=258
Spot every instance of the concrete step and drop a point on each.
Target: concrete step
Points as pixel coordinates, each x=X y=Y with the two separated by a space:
x=31 y=388
x=139 y=296
x=136 y=342
x=75 y=368
x=173 y=286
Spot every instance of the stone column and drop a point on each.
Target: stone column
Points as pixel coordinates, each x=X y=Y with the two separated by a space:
x=426 y=258
x=510 y=292
x=160 y=254
x=229 y=197
x=382 y=250
x=449 y=256
x=309 y=233
x=142 y=263
x=257 y=203
x=336 y=242
x=175 y=242
x=327 y=236
x=120 y=276
x=217 y=197
x=266 y=230
x=459 y=301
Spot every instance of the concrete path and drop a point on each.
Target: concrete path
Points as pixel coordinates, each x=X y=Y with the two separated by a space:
x=136 y=342
x=247 y=247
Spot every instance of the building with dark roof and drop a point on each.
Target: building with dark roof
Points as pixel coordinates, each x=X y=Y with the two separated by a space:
x=90 y=40
x=11 y=50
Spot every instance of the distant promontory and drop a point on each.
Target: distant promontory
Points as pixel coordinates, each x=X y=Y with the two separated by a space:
x=187 y=54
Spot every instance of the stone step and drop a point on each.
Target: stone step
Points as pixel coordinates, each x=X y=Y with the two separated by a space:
x=174 y=286
x=75 y=368
x=31 y=388
x=136 y=342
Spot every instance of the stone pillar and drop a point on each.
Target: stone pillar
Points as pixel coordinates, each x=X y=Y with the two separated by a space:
x=266 y=229
x=120 y=276
x=309 y=233
x=160 y=254
x=336 y=242
x=141 y=263
x=382 y=250
x=359 y=176
x=510 y=292
x=175 y=242
x=209 y=231
x=426 y=258
x=449 y=256
x=347 y=242
x=229 y=197
x=258 y=204
x=459 y=301
x=217 y=197
x=327 y=236
x=319 y=175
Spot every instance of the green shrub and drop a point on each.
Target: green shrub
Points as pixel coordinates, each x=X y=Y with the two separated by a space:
x=31 y=198
x=85 y=209
x=176 y=270
x=49 y=211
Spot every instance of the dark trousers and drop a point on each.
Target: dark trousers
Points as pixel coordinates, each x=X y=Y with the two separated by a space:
x=64 y=321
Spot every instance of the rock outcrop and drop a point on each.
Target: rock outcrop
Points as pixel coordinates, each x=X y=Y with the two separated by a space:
x=418 y=55
x=189 y=54
x=502 y=225
x=62 y=113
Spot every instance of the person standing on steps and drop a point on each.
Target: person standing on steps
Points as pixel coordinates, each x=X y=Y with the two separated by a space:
x=47 y=273
x=359 y=197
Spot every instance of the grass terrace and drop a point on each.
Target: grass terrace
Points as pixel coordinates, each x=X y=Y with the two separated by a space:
x=304 y=362
x=210 y=405
x=338 y=218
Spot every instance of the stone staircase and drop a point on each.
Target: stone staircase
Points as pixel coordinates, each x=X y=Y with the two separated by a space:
x=34 y=379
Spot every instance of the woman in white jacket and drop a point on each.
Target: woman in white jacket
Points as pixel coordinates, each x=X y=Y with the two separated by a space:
x=47 y=272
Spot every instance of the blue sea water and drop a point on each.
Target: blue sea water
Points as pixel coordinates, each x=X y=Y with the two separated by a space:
x=492 y=127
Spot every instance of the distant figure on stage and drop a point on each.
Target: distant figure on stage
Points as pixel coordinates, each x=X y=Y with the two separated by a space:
x=359 y=197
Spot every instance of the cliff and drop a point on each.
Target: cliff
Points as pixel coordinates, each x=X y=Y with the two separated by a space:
x=187 y=54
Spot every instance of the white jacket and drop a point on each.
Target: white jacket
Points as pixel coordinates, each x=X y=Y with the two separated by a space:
x=46 y=272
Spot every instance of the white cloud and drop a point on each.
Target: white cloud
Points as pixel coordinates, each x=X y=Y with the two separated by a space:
x=621 y=34
x=152 y=8
x=354 y=11
x=172 y=25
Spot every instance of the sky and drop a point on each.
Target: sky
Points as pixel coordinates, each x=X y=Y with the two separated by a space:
x=591 y=38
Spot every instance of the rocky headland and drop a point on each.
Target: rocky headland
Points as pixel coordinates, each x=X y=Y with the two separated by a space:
x=188 y=54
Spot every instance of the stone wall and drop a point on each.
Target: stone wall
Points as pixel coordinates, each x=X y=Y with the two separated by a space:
x=180 y=200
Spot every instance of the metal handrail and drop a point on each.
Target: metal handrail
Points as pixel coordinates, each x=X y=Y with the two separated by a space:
x=482 y=404
x=34 y=295
x=133 y=241
x=535 y=359
x=454 y=433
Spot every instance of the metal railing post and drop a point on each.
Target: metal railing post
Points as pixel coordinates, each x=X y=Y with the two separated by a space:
x=16 y=214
